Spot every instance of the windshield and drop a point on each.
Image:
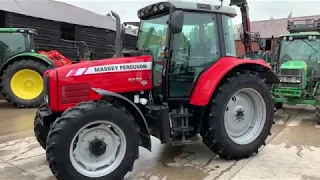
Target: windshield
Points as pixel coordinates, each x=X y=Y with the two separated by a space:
x=152 y=33
x=11 y=44
x=298 y=50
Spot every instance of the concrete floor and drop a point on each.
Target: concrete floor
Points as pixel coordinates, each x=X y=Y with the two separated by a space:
x=292 y=152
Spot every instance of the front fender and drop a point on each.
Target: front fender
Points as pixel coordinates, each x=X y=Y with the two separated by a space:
x=210 y=79
x=138 y=116
x=26 y=55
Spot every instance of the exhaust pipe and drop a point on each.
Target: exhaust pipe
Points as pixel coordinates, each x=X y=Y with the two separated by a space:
x=118 y=40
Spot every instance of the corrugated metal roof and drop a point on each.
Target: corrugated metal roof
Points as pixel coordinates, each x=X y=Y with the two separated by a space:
x=58 y=11
x=275 y=27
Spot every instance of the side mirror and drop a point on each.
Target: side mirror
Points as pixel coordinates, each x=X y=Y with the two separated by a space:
x=263 y=43
x=176 y=22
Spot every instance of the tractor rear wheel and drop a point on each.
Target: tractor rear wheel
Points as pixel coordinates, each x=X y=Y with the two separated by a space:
x=93 y=140
x=22 y=83
x=240 y=117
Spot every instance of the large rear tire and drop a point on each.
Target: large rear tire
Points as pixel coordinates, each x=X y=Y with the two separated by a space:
x=22 y=83
x=240 y=117
x=93 y=140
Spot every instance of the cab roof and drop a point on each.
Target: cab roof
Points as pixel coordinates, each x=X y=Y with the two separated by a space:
x=188 y=5
x=18 y=30
x=204 y=7
x=302 y=34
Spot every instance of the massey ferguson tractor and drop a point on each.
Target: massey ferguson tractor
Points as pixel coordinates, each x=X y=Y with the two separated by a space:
x=96 y=114
x=298 y=65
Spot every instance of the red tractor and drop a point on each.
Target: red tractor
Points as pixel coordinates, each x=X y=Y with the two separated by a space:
x=96 y=114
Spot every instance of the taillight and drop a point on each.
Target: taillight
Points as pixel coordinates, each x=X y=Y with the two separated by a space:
x=46 y=89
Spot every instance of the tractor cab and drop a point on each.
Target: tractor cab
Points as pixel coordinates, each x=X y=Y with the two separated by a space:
x=298 y=63
x=185 y=41
x=14 y=41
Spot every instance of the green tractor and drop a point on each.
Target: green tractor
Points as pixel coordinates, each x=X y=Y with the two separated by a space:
x=21 y=67
x=298 y=65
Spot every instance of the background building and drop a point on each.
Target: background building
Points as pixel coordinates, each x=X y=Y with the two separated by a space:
x=55 y=21
x=267 y=29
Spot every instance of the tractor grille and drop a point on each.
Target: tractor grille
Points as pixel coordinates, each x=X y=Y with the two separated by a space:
x=289 y=85
x=290 y=72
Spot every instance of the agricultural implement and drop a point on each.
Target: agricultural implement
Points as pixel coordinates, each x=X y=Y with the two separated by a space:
x=96 y=114
x=297 y=65
x=60 y=60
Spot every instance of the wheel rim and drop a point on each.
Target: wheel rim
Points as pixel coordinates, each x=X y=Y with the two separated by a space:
x=26 y=84
x=87 y=153
x=245 y=116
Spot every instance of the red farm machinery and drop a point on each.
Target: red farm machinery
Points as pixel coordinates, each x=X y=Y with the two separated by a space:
x=96 y=114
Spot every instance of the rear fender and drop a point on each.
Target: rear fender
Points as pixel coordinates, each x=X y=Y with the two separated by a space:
x=135 y=112
x=213 y=76
x=27 y=55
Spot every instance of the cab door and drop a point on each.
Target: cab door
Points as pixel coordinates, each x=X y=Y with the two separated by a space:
x=192 y=50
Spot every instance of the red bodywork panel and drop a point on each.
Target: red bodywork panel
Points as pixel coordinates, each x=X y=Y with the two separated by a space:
x=72 y=84
x=209 y=80
x=126 y=74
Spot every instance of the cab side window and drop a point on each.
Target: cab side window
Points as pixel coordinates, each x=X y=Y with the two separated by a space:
x=194 y=49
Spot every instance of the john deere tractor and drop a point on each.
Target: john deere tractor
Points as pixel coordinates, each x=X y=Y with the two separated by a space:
x=297 y=65
x=21 y=67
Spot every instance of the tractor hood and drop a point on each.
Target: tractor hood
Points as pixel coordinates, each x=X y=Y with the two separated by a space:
x=294 y=65
x=112 y=65
x=71 y=84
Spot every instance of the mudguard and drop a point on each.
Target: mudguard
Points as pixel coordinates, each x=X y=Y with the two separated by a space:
x=140 y=119
x=33 y=55
x=210 y=79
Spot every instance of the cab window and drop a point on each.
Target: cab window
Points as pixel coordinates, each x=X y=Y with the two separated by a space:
x=194 y=49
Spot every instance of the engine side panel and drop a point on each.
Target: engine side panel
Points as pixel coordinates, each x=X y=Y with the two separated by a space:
x=209 y=80
x=128 y=74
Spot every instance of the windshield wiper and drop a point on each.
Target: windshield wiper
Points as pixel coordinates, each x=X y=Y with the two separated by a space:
x=310 y=45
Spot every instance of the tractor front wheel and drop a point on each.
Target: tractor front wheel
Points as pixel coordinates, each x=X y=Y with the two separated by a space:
x=40 y=131
x=240 y=117
x=93 y=140
x=278 y=105
x=22 y=83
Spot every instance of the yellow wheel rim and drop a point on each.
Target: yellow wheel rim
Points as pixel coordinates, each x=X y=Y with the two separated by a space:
x=27 y=84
